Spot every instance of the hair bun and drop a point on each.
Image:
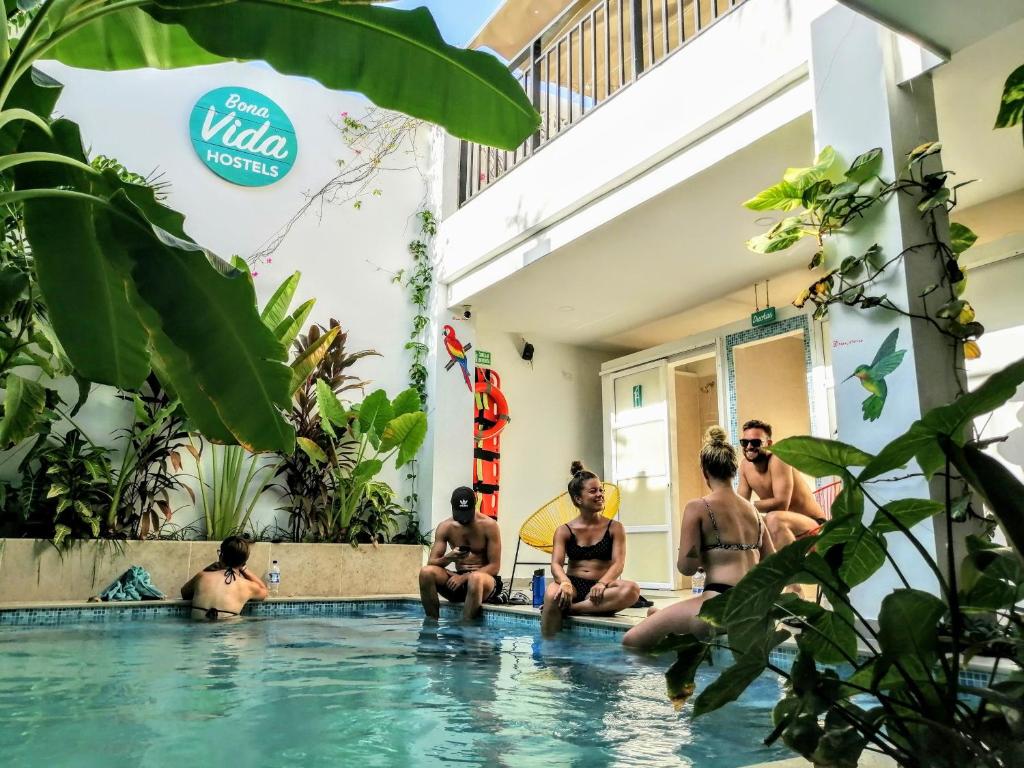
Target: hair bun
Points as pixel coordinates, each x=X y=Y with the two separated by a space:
x=715 y=436
x=576 y=467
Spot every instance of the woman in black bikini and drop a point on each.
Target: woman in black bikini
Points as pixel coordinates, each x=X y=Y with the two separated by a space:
x=591 y=583
x=223 y=588
x=722 y=532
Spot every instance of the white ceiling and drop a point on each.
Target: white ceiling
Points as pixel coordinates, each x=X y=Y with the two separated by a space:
x=946 y=26
x=656 y=264
x=677 y=265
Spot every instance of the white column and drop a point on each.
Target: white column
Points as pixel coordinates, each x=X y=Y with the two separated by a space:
x=858 y=105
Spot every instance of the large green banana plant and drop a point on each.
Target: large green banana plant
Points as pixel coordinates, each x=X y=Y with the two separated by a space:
x=128 y=291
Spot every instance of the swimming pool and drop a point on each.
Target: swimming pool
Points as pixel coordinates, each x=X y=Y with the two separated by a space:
x=374 y=686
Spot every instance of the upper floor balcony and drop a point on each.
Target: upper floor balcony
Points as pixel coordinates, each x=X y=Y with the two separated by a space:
x=589 y=53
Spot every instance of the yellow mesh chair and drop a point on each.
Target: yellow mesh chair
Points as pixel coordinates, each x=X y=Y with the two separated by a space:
x=538 y=530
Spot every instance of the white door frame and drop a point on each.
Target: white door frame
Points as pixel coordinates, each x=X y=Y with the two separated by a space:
x=608 y=388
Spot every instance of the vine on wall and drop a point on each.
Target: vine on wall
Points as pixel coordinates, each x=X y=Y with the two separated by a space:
x=418 y=280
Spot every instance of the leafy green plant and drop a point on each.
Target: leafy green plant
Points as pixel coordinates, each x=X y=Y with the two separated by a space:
x=828 y=201
x=308 y=484
x=900 y=691
x=127 y=291
x=149 y=469
x=419 y=282
x=376 y=431
x=1011 y=105
x=65 y=491
x=230 y=490
x=378 y=517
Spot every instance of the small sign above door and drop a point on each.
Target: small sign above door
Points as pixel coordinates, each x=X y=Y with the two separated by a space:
x=638 y=395
x=763 y=317
x=483 y=358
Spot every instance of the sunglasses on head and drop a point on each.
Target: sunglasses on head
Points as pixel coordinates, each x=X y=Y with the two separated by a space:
x=753 y=443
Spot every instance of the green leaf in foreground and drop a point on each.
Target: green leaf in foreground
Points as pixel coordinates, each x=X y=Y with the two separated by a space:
x=819 y=457
x=24 y=401
x=396 y=58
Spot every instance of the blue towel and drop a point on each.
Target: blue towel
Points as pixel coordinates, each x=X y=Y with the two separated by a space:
x=133 y=584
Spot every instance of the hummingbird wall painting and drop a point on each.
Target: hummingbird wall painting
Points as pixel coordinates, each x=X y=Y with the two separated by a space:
x=872 y=377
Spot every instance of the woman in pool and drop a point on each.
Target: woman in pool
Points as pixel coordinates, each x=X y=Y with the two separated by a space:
x=721 y=532
x=596 y=549
x=224 y=587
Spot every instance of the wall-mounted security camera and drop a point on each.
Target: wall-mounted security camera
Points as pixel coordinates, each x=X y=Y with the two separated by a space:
x=526 y=352
x=467 y=311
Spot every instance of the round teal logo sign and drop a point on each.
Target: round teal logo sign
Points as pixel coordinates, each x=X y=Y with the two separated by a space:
x=243 y=136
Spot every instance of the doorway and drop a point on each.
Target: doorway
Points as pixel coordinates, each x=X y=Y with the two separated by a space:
x=771 y=384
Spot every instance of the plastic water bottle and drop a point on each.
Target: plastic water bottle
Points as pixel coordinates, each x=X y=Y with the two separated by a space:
x=538 y=588
x=697 y=582
x=274 y=580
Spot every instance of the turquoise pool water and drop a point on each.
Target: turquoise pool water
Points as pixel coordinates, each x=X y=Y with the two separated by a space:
x=378 y=688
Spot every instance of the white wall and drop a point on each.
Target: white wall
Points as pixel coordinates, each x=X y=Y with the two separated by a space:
x=347 y=257
x=555 y=405
x=754 y=53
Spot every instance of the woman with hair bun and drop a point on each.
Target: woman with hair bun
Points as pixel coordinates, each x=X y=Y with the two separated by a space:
x=596 y=549
x=721 y=532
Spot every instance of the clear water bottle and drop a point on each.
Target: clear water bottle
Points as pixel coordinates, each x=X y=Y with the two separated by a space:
x=697 y=582
x=274 y=580
x=538 y=588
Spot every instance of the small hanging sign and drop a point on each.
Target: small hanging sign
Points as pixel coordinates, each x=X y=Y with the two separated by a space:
x=763 y=317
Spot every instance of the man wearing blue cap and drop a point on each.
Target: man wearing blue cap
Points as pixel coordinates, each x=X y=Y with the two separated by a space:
x=472 y=543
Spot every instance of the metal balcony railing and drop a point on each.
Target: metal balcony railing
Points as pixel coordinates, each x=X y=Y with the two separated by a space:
x=593 y=51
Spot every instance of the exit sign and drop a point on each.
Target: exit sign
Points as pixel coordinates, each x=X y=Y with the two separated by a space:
x=638 y=395
x=483 y=358
x=763 y=317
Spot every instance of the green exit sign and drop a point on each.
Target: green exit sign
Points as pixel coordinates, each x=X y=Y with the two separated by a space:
x=483 y=358
x=763 y=317
x=638 y=395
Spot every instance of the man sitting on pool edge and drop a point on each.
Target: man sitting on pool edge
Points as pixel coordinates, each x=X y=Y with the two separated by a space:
x=223 y=588
x=475 y=550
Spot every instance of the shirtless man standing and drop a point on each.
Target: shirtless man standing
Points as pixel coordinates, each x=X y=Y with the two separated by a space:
x=790 y=510
x=475 y=550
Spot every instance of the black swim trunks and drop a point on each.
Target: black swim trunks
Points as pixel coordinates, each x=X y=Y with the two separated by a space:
x=459 y=595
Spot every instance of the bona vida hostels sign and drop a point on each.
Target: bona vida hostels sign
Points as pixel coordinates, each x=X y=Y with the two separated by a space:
x=243 y=136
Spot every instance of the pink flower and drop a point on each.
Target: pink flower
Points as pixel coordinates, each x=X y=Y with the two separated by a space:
x=344 y=114
x=269 y=260
x=255 y=274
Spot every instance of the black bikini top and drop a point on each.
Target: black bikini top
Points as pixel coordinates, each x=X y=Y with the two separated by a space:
x=719 y=544
x=602 y=550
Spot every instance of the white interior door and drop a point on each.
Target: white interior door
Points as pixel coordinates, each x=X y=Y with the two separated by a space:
x=640 y=467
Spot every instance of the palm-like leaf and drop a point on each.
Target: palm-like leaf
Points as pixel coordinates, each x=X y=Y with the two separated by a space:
x=396 y=58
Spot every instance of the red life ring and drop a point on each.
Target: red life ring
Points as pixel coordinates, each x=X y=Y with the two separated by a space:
x=502 y=418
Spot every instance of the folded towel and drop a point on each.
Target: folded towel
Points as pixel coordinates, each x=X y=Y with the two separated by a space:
x=133 y=584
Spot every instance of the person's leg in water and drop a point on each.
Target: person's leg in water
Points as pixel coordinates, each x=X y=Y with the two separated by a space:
x=787 y=527
x=432 y=577
x=617 y=596
x=478 y=588
x=679 y=618
x=552 y=613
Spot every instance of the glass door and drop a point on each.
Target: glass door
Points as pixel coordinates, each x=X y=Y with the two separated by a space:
x=639 y=433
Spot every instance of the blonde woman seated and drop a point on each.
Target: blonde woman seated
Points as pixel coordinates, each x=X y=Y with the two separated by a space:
x=722 y=532
x=596 y=549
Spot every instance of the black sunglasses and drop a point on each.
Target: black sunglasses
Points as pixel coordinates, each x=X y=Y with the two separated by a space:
x=754 y=443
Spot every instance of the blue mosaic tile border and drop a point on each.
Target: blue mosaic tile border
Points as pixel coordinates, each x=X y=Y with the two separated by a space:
x=103 y=614
x=733 y=340
x=784 y=655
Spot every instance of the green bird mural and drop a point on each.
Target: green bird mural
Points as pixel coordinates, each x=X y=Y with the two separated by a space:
x=872 y=377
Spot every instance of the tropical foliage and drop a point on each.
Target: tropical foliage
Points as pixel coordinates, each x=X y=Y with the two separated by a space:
x=361 y=441
x=128 y=292
x=898 y=687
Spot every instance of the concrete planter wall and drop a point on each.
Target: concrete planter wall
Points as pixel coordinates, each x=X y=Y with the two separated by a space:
x=33 y=571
